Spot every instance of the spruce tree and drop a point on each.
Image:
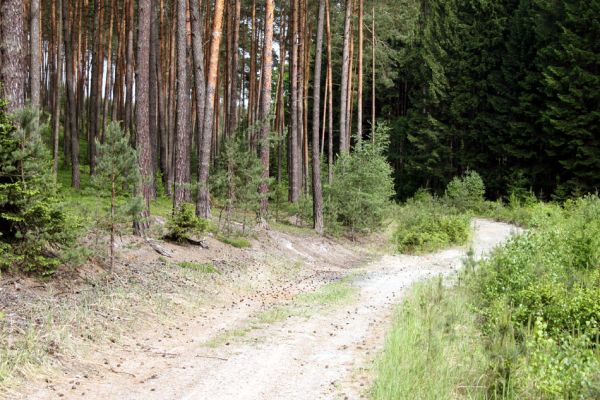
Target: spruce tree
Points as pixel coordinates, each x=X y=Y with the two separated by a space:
x=33 y=228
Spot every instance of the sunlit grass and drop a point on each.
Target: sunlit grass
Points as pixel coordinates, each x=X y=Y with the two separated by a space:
x=434 y=350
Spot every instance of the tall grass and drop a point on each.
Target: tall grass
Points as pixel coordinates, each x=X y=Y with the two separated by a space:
x=434 y=349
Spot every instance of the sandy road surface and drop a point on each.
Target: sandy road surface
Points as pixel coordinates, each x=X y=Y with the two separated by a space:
x=320 y=357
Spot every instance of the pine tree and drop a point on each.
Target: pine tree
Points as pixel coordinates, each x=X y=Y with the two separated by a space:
x=117 y=175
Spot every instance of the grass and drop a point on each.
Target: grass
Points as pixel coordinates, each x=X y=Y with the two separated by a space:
x=51 y=326
x=237 y=242
x=336 y=293
x=434 y=349
x=205 y=268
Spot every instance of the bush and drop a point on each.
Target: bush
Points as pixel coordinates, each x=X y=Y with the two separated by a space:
x=466 y=193
x=548 y=280
x=427 y=226
x=33 y=227
x=184 y=224
x=362 y=186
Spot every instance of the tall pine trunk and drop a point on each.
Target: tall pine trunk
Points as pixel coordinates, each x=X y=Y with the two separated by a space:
x=12 y=53
x=203 y=203
x=182 y=138
x=142 y=111
x=344 y=111
x=316 y=165
x=265 y=108
x=35 y=50
x=71 y=103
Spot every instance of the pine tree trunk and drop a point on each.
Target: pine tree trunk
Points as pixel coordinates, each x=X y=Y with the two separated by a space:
x=142 y=109
x=203 y=203
x=373 y=97
x=56 y=79
x=267 y=75
x=12 y=53
x=316 y=165
x=182 y=139
x=294 y=184
x=359 y=111
x=233 y=80
x=71 y=104
x=330 y=85
x=129 y=65
x=344 y=134
x=35 y=50
x=199 y=74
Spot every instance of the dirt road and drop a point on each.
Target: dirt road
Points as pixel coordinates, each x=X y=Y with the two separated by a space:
x=322 y=356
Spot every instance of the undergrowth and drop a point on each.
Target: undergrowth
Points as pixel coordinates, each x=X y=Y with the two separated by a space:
x=523 y=324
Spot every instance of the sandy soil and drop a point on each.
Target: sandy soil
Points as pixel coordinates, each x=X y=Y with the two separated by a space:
x=324 y=356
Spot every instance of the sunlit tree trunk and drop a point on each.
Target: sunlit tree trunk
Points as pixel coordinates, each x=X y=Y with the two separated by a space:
x=35 y=52
x=316 y=165
x=203 y=203
x=267 y=74
x=344 y=112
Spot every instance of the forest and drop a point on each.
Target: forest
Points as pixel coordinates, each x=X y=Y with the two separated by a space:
x=192 y=133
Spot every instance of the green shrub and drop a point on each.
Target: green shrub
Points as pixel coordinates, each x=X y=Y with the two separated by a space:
x=184 y=224
x=428 y=232
x=33 y=227
x=544 y=288
x=362 y=186
x=424 y=223
x=466 y=193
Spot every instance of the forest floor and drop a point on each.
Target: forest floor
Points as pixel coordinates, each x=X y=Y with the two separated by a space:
x=294 y=317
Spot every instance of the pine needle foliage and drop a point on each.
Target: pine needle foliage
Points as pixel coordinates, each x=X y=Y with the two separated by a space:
x=117 y=176
x=33 y=228
x=362 y=186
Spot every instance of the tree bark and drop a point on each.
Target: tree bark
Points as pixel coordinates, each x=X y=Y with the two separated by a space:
x=129 y=65
x=35 y=50
x=344 y=136
x=182 y=139
x=71 y=104
x=330 y=85
x=294 y=155
x=199 y=74
x=316 y=165
x=56 y=79
x=359 y=112
x=142 y=109
x=12 y=53
x=266 y=78
x=203 y=203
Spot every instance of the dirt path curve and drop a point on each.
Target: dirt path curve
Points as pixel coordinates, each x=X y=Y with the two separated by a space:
x=321 y=357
